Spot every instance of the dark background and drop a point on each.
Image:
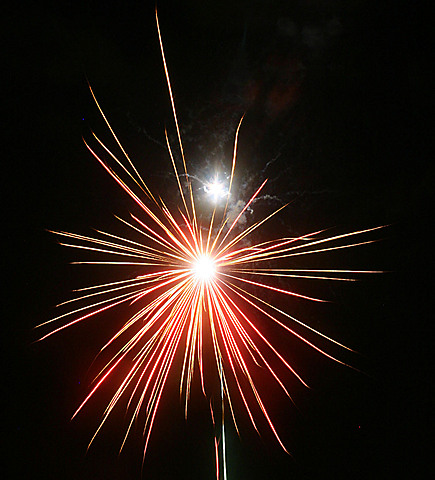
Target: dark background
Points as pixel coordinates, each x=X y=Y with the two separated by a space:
x=336 y=95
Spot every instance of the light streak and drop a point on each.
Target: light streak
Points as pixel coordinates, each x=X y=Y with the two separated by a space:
x=197 y=281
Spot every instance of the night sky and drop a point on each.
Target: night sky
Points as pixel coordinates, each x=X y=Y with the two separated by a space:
x=336 y=95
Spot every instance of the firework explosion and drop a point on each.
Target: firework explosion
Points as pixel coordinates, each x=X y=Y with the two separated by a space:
x=201 y=294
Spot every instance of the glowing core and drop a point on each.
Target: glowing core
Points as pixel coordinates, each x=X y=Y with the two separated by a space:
x=215 y=190
x=204 y=268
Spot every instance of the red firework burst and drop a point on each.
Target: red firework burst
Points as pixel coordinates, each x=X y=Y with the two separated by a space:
x=198 y=281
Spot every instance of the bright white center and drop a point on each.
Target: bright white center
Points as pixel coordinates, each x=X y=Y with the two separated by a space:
x=215 y=190
x=204 y=268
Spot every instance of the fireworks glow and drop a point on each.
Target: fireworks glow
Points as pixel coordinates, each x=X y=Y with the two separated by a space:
x=216 y=190
x=203 y=290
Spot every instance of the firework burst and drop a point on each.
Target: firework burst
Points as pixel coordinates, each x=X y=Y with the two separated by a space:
x=202 y=292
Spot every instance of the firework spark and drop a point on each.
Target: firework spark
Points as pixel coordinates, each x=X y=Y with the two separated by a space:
x=201 y=292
